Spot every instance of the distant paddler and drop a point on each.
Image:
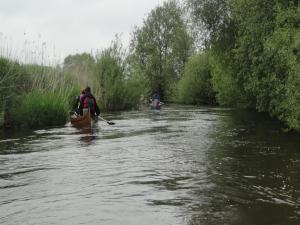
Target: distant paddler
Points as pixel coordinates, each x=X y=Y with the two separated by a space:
x=155 y=101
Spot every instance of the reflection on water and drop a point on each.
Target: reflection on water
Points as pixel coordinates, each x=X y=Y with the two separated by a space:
x=183 y=165
x=88 y=134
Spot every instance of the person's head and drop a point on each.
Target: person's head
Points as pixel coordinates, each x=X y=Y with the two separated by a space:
x=82 y=91
x=87 y=89
x=155 y=93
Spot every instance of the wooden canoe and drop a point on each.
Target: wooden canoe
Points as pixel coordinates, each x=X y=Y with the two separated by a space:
x=81 y=121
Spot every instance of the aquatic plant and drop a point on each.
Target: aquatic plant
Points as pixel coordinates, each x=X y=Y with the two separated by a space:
x=34 y=95
x=40 y=108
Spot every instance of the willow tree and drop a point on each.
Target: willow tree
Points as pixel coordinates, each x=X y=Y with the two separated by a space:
x=81 y=67
x=261 y=60
x=160 y=48
x=215 y=23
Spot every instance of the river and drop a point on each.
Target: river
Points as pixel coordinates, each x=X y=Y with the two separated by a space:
x=180 y=166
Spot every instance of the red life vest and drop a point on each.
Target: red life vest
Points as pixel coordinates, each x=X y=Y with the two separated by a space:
x=155 y=103
x=89 y=102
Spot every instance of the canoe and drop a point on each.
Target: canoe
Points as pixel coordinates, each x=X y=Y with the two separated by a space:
x=157 y=107
x=81 y=121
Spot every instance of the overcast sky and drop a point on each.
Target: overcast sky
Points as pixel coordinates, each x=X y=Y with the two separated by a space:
x=69 y=26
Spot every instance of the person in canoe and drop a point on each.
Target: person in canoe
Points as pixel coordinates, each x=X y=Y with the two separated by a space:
x=77 y=103
x=88 y=101
x=155 y=101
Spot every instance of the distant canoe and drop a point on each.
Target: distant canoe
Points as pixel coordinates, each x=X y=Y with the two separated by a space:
x=156 y=107
x=81 y=121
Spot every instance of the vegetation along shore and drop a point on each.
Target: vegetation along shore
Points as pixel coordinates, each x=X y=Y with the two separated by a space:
x=232 y=53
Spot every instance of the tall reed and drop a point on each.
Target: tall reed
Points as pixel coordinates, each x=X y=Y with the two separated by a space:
x=45 y=100
x=40 y=109
x=32 y=94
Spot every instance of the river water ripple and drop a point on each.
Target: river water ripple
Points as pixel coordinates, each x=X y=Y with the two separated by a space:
x=183 y=165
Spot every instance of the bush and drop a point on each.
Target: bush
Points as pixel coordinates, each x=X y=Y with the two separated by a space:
x=195 y=86
x=116 y=89
x=278 y=91
x=110 y=79
x=13 y=82
x=228 y=92
x=9 y=77
x=40 y=109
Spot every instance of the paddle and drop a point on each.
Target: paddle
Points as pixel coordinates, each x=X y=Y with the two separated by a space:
x=108 y=122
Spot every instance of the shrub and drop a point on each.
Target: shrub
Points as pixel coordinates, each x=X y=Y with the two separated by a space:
x=13 y=82
x=40 y=109
x=117 y=89
x=195 y=86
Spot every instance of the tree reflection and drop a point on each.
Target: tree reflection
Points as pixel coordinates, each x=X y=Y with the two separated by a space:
x=253 y=172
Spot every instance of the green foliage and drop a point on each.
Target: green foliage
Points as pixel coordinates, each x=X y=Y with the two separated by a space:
x=116 y=90
x=111 y=80
x=161 y=47
x=81 y=67
x=266 y=60
x=13 y=82
x=79 y=60
x=1 y=119
x=227 y=91
x=195 y=86
x=135 y=87
x=38 y=108
x=281 y=51
x=259 y=66
x=33 y=95
x=251 y=60
x=214 y=22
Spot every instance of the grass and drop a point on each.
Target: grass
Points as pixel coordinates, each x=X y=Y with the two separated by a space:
x=40 y=109
x=1 y=119
x=43 y=100
x=33 y=95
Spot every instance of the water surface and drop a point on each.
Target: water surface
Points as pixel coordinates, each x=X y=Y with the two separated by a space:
x=183 y=165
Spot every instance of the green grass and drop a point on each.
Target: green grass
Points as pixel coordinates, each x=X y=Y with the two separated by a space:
x=1 y=119
x=38 y=108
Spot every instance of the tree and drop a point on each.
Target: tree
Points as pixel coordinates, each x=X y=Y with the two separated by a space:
x=110 y=80
x=262 y=53
x=195 y=86
x=216 y=24
x=161 y=47
x=80 y=66
x=214 y=21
